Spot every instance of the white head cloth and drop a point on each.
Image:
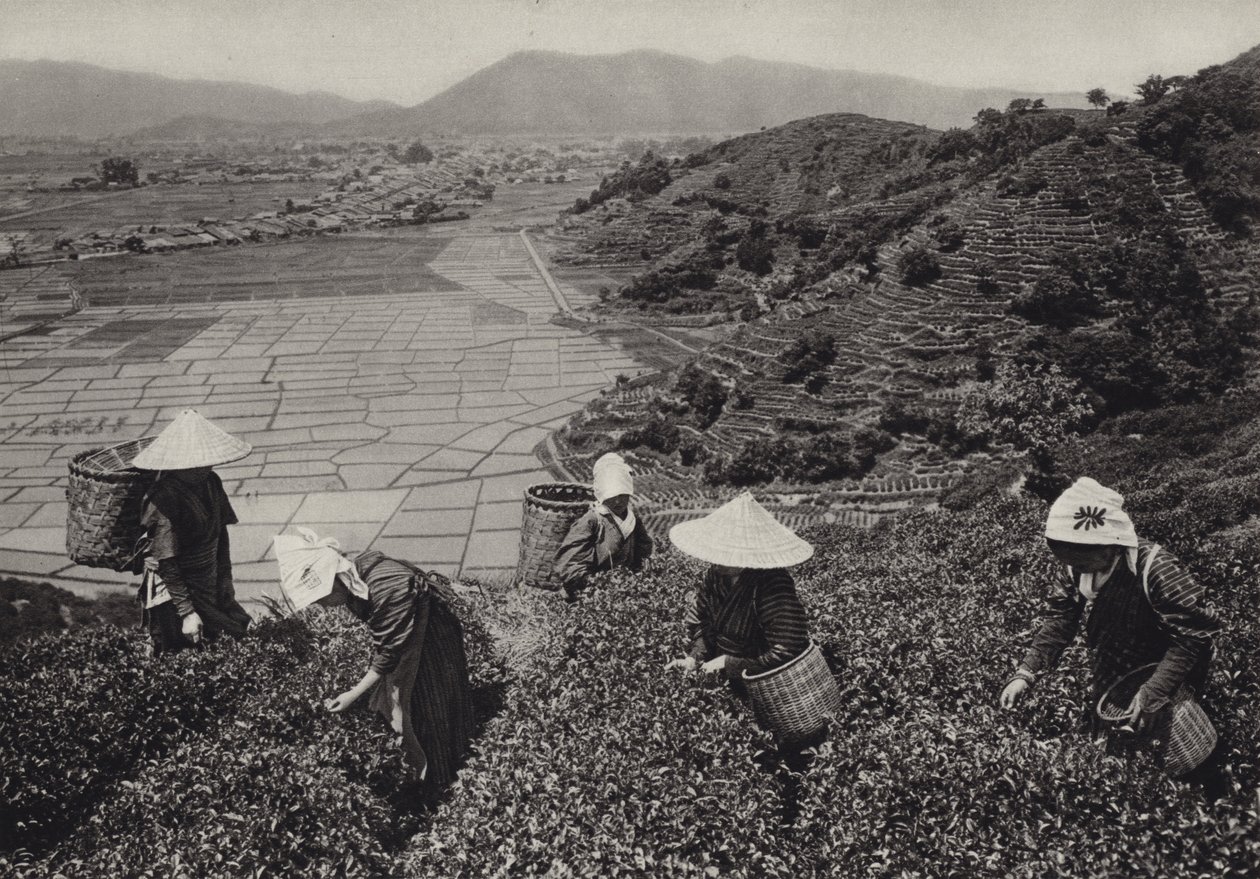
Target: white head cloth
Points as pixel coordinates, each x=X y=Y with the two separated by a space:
x=309 y=567
x=1092 y=514
x=611 y=477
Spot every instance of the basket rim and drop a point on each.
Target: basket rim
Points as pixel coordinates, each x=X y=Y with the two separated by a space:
x=779 y=669
x=78 y=465
x=587 y=498
x=1144 y=671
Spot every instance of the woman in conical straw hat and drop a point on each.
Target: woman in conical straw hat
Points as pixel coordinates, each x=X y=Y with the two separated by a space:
x=1140 y=605
x=609 y=535
x=186 y=515
x=418 y=673
x=746 y=615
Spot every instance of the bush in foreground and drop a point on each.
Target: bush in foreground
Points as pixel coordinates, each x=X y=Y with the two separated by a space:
x=599 y=762
x=216 y=762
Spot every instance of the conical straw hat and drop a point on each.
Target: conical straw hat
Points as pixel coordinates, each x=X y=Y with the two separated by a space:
x=190 y=441
x=741 y=534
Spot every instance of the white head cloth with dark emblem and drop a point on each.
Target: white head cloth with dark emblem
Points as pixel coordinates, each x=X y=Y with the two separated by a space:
x=1092 y=514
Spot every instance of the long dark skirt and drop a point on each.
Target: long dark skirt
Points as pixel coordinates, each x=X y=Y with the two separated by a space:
x=440 y=708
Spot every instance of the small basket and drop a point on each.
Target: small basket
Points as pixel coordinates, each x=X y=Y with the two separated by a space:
x=1183 y=727
x=105 y=494
x=796 y=700
x=551 y=508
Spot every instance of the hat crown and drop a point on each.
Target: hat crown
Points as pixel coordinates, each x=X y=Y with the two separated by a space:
x=191 y=441
x=741 y=533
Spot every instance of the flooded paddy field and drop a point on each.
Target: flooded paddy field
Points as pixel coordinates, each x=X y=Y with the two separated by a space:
x=394 y=386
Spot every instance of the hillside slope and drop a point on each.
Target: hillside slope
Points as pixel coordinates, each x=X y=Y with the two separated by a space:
x=53 y=98
x=645 y=91
x=917 y=303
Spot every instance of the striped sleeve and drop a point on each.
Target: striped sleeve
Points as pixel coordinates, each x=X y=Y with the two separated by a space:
x=783 y=624
x=1191 y=624
x=1058 y=625
x=698 y=622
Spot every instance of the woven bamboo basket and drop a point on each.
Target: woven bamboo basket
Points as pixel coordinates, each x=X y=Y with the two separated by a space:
x=796 y=700
x=1183 y=732
x=105 y=494
x=550 y=509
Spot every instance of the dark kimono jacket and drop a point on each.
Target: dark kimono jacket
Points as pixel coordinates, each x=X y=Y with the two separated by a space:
x=594 y=544
x=1124 y=628
x=419 y=647
x=187 y=530
x=755 y=618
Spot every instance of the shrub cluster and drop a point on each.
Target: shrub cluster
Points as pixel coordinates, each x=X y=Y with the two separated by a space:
x=29 y=608
x=646 y=177
x=817 y=456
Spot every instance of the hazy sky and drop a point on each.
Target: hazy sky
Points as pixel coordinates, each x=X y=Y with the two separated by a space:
x=408 y=50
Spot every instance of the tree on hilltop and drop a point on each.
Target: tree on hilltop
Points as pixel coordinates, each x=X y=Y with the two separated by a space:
x=1154 y=88
x=1098 y=97
x=116 y=169
x=989 y=116
x=1019 y=105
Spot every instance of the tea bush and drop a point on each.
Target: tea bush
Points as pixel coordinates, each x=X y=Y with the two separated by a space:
x=594 y=760
x=214 y=762
x=601 y=763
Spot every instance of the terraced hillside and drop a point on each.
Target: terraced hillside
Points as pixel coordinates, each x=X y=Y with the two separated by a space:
x=897 y=295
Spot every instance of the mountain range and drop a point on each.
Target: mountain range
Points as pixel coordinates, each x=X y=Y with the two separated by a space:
x=527 y=93
x=54 y=98
x=653 y=92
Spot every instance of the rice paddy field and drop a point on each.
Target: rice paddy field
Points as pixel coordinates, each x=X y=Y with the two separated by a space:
x=353 y=264
x=394 y=385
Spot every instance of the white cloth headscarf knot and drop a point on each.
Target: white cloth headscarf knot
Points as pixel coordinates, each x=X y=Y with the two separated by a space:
x=309 y=567
x=1092 y=514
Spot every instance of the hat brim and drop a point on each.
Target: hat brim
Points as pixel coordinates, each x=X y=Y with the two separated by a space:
x=143 y=461
x=700 y=540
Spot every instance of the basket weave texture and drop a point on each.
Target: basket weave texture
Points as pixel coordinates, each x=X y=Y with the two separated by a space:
x=551 y=508
x=105 y=494
x=796 y=700
x=1183 y=728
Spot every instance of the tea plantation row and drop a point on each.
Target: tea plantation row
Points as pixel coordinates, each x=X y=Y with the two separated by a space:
x=595 y=761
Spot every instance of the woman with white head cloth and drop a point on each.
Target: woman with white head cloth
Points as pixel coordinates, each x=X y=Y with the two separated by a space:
x=1139 y=604
x=610 y=534
x=418 y=673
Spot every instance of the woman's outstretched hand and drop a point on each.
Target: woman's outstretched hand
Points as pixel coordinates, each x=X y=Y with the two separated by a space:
x=714 y=665
x=686 y=663
x=340 y=703
x=1011 y=693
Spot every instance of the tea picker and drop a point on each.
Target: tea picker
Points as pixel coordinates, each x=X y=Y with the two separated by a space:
x=608 y=535
x=188 y=588
x=155 y=506
x=747 y=622
x=1148 y=626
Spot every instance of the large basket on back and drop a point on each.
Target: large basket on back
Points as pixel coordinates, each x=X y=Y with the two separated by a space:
x=796 y=700
x=105 y=494
x=550 y=509
x=1185 y=733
